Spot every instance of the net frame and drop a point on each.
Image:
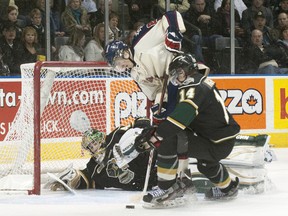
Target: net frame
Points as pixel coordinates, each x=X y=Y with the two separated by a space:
x=37 y=81
x=37 y=113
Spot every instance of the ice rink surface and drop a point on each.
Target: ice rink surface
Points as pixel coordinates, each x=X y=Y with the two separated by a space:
x=273 y=202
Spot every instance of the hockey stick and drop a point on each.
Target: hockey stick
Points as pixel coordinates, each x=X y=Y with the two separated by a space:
x=165 y=81
x=151 y=155
x=152 y=151
x=148 y=172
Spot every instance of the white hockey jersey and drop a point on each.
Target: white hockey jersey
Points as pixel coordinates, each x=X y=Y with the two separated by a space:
x=153 y=48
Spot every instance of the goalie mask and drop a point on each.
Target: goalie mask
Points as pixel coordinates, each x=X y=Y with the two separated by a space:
x=119 y=56
x=182 y=67
x=94 y=141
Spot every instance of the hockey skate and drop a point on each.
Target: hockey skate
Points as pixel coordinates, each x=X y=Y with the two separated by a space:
x=216 y=193
x=174 y=196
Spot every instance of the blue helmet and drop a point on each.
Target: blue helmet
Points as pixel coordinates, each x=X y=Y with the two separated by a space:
x=115 y=49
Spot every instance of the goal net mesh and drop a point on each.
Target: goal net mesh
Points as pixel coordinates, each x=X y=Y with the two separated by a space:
x=73 y=98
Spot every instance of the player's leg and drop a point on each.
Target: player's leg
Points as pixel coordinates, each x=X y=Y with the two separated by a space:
x=208 y=155
x=169 y=187
x=217 y=173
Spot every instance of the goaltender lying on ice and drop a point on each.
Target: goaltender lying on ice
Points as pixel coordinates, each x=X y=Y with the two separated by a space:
x=246 y=161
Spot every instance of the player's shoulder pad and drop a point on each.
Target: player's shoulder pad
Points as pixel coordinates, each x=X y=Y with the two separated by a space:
x=209 y=83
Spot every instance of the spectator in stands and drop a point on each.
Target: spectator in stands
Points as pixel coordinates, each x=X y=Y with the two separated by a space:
x=129 y=38
x=260 y=58
x=138 y=25
x=75 y=17
x=282 y=44
x=259 y=22
x=250 y=12
x=266 y=3
x=283 y=7
x=41 y=5
x=207 y=22
x=282 y=22
x=10 y=48
x=94 y=50
x=55 y=19
x=31 y=51
x=90 y=6
x=99 y=15
x=73 y=51
x=180 y=5
x=36 y=23
x=59 y=5
x=114 y=32
x=24 y=8
x=239 y=6
x=137 y=12
x=4 y=69
x=223 y=15
x=11 y=16
x=3 y=7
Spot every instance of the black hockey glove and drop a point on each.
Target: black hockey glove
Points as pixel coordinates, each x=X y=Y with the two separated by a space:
x=147 y=140
x=158 y=117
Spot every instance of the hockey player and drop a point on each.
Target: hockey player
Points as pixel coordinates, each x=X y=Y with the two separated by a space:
x=110 y=165
x=210 y=130
x=153 y=48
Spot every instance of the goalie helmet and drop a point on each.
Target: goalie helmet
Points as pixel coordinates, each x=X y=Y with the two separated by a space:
x=183 y=62
x=94 y=141
x=116 y=49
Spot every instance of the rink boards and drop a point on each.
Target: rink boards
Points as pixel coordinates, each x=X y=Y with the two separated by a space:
x=258 y=103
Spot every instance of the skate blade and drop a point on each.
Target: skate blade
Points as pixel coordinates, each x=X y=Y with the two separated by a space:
x=166 y=204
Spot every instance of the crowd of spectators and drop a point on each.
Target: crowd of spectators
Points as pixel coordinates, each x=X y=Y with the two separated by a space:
x=261 y=31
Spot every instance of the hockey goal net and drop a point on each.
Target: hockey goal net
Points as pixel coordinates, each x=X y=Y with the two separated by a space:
x=59 y=101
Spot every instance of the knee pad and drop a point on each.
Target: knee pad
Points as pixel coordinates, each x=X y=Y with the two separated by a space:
x=208 y=168
x=215 y=172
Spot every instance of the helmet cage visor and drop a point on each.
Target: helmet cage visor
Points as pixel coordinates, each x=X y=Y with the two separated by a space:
x=122 y=54
x=93 y=141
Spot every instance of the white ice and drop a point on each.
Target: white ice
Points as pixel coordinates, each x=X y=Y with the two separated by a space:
x=273 y=202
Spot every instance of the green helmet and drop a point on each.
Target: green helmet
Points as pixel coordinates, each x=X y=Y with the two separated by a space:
x=94 y=141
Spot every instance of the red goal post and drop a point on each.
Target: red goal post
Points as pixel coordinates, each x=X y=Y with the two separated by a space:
x=59 y=101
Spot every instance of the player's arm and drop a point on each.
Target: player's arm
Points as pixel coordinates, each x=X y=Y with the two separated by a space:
x=174 y=24
x=178 y=120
